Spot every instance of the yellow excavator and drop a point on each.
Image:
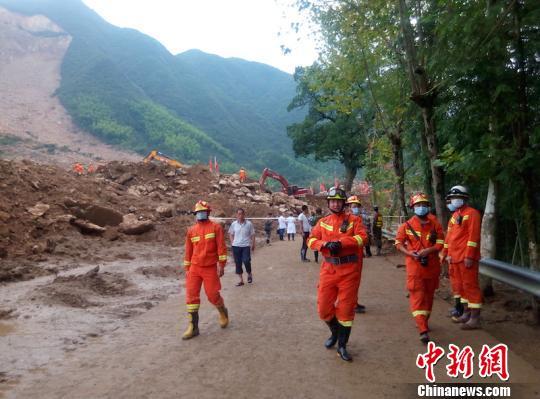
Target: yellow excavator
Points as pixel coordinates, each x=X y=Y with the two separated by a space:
x=159 y=156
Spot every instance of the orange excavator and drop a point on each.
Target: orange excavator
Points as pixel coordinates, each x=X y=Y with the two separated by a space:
x=287 y=188
x=159 y=156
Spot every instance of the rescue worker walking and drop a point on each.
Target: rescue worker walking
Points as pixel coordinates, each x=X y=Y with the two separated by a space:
x=339 y=237
x=377 y=229
x=355 y=206
x=420 y=239
x=462 y=251
x=243 y=175
x=204 y=263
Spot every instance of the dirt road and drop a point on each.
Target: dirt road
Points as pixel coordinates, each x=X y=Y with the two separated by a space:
x=272 y=348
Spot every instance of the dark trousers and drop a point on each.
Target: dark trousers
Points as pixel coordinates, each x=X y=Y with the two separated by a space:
x=303 y=250
x=290 y=236
x=281 y=233
x=268 y=234
x=242 y=255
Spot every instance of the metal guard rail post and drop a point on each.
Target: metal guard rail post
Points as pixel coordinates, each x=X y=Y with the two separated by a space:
x=518 y=277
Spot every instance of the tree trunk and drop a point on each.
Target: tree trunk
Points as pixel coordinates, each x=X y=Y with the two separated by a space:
x=488 y=238
x=424 y=95
x=399 y=169
x=350 y=174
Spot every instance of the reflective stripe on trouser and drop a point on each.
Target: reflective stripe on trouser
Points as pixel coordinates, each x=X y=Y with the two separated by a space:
x=455 y=281
x=421 y=292
x=471 y=294
x=198 y=276
x=337 y=295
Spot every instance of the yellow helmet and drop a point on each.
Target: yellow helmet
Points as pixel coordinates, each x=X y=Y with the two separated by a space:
x=353 y=199
x=202 y=206
x=417 y=198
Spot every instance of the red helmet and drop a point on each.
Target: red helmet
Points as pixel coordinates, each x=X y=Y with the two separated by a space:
x=202 y=206
x=417 y=198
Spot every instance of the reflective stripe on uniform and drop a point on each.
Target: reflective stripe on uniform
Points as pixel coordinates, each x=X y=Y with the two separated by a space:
x=193 y=307
x=397 y=242
x=445 y=245
x=187 y=263
x=472 y=244
x=327 y=226
x=452 y=220
x=466 y=217
x=311 y=241
x=350 y=226
x=440 y=241
x=346 y=323
x=409 y=232
x=196 y=238
x=463 y=300
x=421 y=313
x=359 y=240
x=457 y=296
x=475 y=305
x=210 y=235
x=222 y=257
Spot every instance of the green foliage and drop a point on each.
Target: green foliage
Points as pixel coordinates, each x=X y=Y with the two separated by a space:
x=130 y=91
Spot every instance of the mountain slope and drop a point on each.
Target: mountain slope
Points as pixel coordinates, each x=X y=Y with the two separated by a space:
x=127 y=89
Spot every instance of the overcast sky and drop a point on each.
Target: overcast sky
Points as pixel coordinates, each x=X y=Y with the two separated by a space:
x=250 y=29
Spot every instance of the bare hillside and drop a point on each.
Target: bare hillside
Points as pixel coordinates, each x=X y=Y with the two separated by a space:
x=33 y=122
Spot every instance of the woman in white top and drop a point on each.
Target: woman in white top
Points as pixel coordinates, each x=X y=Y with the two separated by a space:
x=291 y=227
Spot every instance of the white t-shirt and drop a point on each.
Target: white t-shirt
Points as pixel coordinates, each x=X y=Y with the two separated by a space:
x=282 y=222
x=243 y=233
x=291 y=225
x=306 y=226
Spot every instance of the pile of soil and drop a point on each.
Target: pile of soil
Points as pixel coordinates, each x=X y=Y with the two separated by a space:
x=51 y=213
x=75 y=291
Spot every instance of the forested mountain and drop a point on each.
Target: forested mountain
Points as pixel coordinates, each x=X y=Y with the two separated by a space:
x=129 y=90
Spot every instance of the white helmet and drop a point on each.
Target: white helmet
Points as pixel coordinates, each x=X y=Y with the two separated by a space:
x=458 y=192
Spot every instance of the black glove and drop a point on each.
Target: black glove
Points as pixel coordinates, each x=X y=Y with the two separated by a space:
x=334 y=247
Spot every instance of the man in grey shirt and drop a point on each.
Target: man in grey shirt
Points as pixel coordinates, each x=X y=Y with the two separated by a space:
x=242 y=236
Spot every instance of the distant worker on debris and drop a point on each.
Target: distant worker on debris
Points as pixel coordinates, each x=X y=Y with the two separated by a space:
x=339 y=236
x=243 y=175
x=462 y=251
x=204 y=262
x=421 y=238
x=78 y=168
x=377 y=229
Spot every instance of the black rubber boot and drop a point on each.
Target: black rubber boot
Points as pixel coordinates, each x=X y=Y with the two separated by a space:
x=333 y=325
x=343 y=338
x=359 y=308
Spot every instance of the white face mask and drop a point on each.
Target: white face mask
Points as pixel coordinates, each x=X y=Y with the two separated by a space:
x=201 y=215
x=457 y=202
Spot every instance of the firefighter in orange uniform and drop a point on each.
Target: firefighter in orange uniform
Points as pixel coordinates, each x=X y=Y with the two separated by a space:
x=420 y=239
x=462 y=251
x=354 y=206
x=243 y=175
x=204 y=262
x=339 y=237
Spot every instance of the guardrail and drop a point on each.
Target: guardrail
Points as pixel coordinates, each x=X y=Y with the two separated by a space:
x=515 y=276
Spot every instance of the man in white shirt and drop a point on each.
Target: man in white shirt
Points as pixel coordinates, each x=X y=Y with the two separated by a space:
x=305 y=229
x=242 y=234
x=282 y=226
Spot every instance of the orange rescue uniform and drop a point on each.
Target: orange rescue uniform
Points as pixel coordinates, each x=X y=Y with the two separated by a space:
x=421 y=281
x=463 y=241
x=242 y=175
x=205 y=248
x=338 y=283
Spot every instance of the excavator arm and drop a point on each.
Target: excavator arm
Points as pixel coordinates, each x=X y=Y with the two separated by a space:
x=159 y=156
x=286 y=187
